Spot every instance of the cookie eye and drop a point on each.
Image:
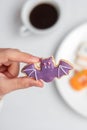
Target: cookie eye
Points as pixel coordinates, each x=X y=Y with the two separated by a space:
x=49 y=63
x=44 y=64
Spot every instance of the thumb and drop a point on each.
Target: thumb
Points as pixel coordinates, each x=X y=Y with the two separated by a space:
x=9 y=85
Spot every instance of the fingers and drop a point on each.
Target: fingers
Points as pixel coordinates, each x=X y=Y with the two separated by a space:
x=8 y=85
x=12 y=70
x=18 y=56
x=2 y=68
x=2 y=76
x=9 y=67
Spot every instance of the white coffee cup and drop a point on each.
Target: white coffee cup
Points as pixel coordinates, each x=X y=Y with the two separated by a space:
x=27 y=27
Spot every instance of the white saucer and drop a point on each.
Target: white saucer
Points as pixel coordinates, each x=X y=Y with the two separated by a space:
x=77 y=100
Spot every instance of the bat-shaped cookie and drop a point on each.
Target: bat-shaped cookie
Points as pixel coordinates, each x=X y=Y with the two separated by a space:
x=47 y=70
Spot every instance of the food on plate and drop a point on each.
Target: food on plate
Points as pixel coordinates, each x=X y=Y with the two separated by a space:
x=81 y=57
x=79 y=80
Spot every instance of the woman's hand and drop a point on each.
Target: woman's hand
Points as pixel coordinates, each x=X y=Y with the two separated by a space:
x=9 y=69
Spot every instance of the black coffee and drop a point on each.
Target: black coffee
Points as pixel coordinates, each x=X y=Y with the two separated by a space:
x=44 y=16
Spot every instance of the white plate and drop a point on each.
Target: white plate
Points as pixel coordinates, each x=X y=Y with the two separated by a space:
x=77 y=100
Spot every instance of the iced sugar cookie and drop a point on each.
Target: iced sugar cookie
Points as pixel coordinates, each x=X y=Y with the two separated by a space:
x=81 y=57
x=47 y=69
x=79 y=80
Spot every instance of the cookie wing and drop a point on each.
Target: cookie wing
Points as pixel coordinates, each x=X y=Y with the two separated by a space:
x=63 y=68
x=30 y=71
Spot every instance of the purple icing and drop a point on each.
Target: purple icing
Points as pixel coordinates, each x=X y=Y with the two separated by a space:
x=48 y=71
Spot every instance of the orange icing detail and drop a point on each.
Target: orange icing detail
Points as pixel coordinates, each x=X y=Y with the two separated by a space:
x=79 y=80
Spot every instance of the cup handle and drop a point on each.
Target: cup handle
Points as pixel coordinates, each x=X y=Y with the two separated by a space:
x=24 y=31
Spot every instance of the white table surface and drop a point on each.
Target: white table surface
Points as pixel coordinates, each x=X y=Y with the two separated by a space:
x=35 y=108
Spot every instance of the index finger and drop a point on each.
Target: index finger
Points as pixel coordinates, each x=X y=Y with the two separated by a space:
x=18 y=56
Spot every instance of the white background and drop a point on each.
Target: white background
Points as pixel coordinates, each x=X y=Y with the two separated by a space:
x=35 y=108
